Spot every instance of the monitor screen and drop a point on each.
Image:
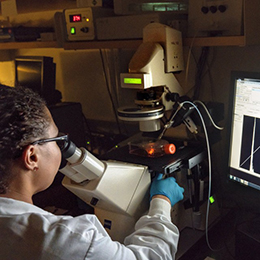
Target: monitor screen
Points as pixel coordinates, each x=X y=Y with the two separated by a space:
x=244 y=152
x=29 y=74
x=37 y=73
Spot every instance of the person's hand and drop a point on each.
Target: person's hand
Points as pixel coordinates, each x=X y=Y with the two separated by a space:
x=167 y=187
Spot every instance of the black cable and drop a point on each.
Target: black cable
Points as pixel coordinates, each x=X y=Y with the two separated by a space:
x=109 y=92
x=200 y=69
x=87 y=131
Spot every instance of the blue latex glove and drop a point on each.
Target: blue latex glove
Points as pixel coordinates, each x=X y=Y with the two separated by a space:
x=167 y=187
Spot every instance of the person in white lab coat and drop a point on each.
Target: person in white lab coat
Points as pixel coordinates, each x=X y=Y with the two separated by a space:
x=29 y=160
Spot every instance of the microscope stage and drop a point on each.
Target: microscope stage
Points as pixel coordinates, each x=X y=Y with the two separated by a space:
x=185 y=156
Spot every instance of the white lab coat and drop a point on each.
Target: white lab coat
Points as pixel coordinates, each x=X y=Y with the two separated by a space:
x=30 y=233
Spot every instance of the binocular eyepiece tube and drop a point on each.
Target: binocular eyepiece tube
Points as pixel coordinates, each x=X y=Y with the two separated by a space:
x=79 y=164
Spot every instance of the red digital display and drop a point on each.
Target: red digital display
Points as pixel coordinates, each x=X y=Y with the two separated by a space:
x=75 y=18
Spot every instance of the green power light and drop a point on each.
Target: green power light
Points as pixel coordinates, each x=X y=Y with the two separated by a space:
x=72 y=30
x=132 y=81
x=211 y=199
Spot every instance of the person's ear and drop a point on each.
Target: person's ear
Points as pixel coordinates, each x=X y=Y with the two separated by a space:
x=30 y=158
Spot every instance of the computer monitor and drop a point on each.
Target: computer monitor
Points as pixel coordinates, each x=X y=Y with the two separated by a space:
x=37 y=73
x=244 y=151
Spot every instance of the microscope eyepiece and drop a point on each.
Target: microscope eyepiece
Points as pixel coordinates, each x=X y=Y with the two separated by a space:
x=69 y=149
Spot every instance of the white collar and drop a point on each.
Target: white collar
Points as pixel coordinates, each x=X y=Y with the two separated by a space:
x=12 y=207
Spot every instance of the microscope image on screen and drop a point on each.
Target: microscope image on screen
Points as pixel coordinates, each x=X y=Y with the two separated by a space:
x=250 y=147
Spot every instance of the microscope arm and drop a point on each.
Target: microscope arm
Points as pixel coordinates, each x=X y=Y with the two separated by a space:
x=147 y=70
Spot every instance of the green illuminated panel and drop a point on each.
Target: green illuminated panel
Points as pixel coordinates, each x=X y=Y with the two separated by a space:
x=132 y=81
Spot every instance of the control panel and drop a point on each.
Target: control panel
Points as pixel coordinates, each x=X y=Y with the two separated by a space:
x=79 y=24
x=215 y=18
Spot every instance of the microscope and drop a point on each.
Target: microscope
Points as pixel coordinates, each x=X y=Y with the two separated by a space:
x=119 y=190
x=117 y=187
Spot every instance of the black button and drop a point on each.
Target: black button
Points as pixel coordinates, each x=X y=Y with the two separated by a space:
x=204 y=9
x=213 y=9
x=222 y=8
x=85 y=29
x=94 y=201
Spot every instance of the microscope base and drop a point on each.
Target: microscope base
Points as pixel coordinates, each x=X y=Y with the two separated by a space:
x=118 y=226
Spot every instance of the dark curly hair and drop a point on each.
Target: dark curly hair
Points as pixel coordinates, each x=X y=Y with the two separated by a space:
x=22 y=120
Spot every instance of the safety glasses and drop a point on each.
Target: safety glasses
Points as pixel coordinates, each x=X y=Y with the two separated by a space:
x=61 y=140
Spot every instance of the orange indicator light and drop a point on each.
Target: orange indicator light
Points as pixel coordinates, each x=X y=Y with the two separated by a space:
x=169 y=148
